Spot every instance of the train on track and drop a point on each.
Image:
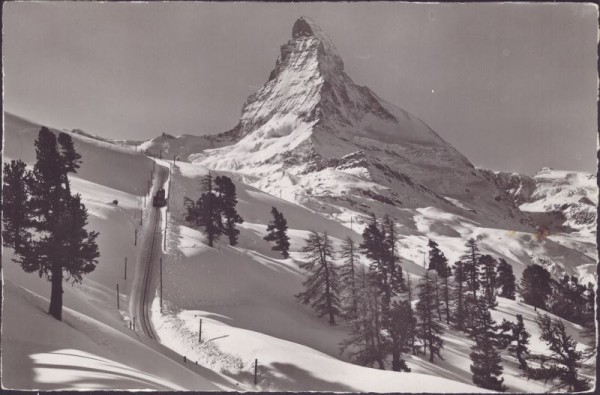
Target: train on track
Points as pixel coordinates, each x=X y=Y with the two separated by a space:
x=159 y=199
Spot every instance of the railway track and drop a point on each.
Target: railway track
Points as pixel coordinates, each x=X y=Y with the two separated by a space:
x=152 y=254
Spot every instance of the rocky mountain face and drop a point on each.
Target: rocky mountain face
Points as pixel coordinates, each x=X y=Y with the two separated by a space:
x=518 y=187
x=313 y=136
x=568 y=200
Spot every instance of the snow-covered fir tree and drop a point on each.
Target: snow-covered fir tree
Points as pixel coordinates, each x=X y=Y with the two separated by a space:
x=460 y=313
x=429 y=329
x=488 y=264
x=65 y=247
x=506 y=280
x=564 y=361
x=322 y=286
x=485 y=357
x=277 y=233
x=349 y=277
x=227 y=198
x=536 y=286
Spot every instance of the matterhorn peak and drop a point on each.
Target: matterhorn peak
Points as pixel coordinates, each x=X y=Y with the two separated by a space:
x=309 y=44
x=303 y=27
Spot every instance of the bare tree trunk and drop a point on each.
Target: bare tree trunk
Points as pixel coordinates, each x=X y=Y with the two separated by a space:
x=56 y=295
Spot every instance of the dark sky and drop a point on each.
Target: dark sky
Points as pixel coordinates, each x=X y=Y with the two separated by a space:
x=511 y=86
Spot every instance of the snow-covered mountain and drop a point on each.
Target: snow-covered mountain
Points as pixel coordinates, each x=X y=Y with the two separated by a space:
x=567 y=198
x=315 y=137
x=574 y=194
x=562 y=205
x=325 y=152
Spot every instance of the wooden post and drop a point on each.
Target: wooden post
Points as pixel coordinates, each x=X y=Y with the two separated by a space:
x=134 y=322
x=350 y=223
x=200 y=332
x=255 y=371
x=125 y=276
x=174 y=156
x=141 y=217
x=135 y=241
x=161 y=285
x=118 y=296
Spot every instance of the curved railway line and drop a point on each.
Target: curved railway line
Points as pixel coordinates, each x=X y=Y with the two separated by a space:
x=152 y=251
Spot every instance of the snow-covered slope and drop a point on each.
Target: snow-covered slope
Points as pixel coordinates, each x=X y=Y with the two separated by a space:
x=245 y=298
x=574 y=194
x=563 y=207
x=92 y=347
x=314 y=135
x=244 y=294
x=168 y=146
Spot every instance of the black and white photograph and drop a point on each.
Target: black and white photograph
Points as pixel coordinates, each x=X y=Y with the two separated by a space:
x=357 y=197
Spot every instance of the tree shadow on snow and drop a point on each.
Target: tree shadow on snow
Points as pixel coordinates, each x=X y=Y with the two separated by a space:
x=287 y=377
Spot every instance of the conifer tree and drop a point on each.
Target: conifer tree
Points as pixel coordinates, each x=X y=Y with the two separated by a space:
x=485 y=357
x=506 y=280
x=410 y=299
x=564 y=361
x=70 y=158
x=208 y=215
x=437 y=259
x=568 y=300
x=322 y=286
x=62 y=244
x=460 y=313
x=402 y=330
x=439 y=263
x=429 y=330
x=227 y=199
x=488 y=279
x=590 y=304
x=349 y=277
x=445 y=275
x=385 y=273
x=15 y=204
x=535 y=286
x=47 y=191
x=392 y=258
x=376 y=248
x=520 y=342
x=205 y=215
x=471 y=266
x=277 y=232
x=365 y=344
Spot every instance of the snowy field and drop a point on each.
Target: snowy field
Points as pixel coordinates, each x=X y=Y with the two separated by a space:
x=244 y=295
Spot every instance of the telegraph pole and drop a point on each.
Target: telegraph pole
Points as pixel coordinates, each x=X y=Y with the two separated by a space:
x=255 y=371
x=125 y=276
x=118 y=296
x=166 y=226
x=161 y=285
